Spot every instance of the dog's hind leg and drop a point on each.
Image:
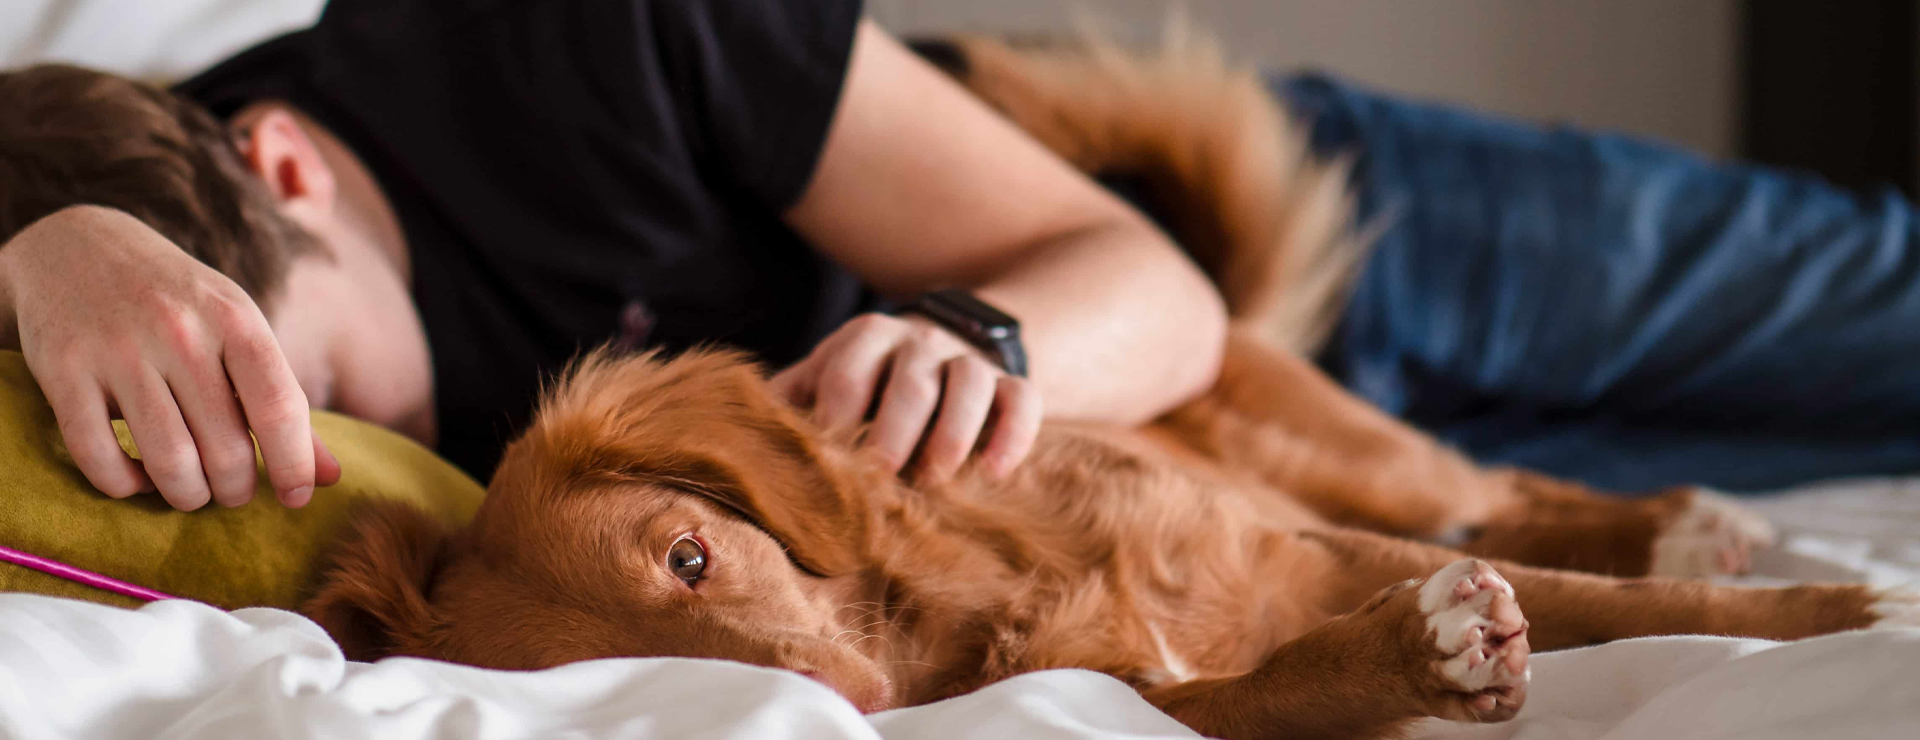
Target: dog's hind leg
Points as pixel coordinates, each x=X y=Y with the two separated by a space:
x=1275 y=416
x=1685 y=532
x=1573 y=609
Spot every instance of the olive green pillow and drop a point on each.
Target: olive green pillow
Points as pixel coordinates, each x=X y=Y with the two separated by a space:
x=260 y=554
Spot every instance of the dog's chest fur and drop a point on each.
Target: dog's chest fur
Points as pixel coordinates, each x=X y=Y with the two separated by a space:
x=1097 y=554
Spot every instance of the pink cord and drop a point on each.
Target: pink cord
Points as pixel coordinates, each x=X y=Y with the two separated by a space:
x=82 y=577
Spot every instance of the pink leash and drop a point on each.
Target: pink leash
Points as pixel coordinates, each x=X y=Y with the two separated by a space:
x=82 y=577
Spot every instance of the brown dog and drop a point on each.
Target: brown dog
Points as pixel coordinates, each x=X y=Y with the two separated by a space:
x=1219 y=560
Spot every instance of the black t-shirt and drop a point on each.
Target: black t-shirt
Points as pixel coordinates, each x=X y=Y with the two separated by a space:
x=570 y=172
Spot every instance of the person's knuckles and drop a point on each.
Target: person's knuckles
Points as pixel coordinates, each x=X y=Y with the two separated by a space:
x=65 y=356
x=254 y=342
x=972 y=373
x=112 y=480
x=171 y=463
x=914 y=389
x=873 y=324
x=230 y=469
x=838 y=394
x=277 y=408
x=185 y=498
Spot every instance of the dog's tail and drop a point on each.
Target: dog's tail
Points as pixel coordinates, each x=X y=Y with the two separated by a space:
x=1223 y=168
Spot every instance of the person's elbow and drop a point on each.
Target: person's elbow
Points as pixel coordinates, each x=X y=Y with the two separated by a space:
x=1199 y=346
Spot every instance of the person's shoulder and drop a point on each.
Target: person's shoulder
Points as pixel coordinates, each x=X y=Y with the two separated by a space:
x=455 y=13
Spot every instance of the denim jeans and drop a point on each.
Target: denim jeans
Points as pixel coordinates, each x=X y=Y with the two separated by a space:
x=1620 y=312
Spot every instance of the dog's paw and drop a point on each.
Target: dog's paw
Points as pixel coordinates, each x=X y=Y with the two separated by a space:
x=1897 y=608
x=1476 y=625
x=1713 y=535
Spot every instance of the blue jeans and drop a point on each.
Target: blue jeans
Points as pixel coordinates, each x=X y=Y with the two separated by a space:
x=1619 y=312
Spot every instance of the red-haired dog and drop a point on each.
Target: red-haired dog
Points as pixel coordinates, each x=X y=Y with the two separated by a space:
x=1247 y=562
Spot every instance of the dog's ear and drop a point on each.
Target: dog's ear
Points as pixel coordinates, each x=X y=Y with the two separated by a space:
x=372 y=596
x=704 y=423
x=779 y=479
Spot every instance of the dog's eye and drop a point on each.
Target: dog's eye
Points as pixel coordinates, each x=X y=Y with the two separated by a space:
x=687 y=560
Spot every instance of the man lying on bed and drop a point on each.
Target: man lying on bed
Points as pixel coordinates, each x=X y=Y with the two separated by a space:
x=438 y=206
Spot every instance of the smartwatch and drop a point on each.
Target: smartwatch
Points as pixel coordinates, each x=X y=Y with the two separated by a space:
x=982 y=325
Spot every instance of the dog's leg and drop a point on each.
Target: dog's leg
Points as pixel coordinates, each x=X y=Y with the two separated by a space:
x=1275 y=416
x=1574 y=609
x=1683 y=533
x=1453 y=645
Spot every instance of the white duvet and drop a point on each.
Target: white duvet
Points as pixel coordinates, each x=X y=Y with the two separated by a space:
x=183 y=670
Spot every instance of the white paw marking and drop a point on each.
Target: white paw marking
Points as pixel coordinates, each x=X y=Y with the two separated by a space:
x=1716 y=535
x=1897 y=608
x=1473 y=617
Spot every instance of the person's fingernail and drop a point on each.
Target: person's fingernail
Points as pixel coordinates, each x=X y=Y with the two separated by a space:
x=297 y=497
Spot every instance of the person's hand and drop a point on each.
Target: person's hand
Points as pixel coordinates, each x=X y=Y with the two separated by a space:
x=117 y=322
x=925 y=390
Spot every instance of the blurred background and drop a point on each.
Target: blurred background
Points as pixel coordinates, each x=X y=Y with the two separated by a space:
x=1825 y=85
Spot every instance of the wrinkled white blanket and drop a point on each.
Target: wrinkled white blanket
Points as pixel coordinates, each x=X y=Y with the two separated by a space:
x=182 y=670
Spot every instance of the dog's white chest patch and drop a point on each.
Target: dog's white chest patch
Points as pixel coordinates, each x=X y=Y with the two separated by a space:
x=1172 y=661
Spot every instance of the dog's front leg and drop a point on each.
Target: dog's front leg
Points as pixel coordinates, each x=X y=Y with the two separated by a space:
x=1452 y=645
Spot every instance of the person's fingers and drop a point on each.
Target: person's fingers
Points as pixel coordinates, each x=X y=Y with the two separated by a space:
x=219 y=431
x=912 y=392
x=969 y=393
x=166 y=447
x=1017 y=404
x=276 y=410
x=796 y=383
x=326 y=467
x=850 y=372
x=80 y=408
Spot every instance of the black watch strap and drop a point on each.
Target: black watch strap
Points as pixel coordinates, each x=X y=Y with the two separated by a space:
x=982 y=325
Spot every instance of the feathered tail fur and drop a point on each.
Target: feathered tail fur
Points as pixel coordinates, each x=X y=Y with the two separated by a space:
x=1224 y=167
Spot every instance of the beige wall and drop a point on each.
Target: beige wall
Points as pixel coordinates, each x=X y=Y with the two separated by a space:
x=1665 y=68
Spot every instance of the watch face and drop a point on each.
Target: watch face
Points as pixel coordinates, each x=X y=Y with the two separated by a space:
x=980 y=324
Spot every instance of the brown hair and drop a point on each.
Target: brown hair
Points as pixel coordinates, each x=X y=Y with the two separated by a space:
x=71 y=136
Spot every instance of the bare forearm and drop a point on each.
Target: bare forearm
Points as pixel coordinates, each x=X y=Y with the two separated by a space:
x=1117 y=325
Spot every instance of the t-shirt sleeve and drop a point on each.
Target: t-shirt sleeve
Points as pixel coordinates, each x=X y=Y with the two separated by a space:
x=757 y=83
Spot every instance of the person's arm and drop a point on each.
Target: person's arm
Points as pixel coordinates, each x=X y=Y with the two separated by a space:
x=921 y=186
x=115 y=320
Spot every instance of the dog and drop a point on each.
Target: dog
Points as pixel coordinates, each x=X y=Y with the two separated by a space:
x=1257 y=563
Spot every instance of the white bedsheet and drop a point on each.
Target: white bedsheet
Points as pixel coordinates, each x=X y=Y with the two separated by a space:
x=182 y=670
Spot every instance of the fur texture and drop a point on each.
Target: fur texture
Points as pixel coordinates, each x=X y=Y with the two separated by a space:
x=1247 y=562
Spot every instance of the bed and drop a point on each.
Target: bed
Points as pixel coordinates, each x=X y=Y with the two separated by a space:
x=178 y=669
